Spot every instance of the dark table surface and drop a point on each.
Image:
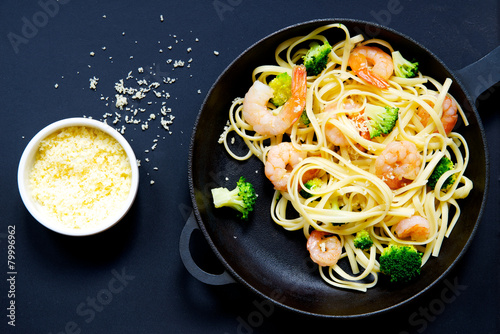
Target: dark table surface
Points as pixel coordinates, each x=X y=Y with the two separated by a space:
x=130 y=279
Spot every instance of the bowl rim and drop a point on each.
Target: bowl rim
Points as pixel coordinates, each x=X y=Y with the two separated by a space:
x=26 y=161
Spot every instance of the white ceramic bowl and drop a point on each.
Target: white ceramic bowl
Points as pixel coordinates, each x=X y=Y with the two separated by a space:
x=27 y=161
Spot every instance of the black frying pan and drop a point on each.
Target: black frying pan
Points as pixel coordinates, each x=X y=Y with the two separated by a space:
x=275 y=263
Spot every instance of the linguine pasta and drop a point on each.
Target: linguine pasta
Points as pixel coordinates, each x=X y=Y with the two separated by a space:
x=353 y=197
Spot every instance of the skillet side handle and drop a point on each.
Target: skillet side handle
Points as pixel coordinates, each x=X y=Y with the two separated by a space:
x=187 y=259
x=481 y=75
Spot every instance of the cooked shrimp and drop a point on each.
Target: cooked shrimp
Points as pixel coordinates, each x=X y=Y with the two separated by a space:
x=416 y=227
x=449 y=117
x=325 y=249
x=280 y=160
x=361 y=124
x=334 y=135
x=398 y=164
x=262 y=119
x=382 y=69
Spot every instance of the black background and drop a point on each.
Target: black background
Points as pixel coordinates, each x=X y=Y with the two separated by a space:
x=59 y=277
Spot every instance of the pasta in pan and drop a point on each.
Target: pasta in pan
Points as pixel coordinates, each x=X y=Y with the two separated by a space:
x=364 y=180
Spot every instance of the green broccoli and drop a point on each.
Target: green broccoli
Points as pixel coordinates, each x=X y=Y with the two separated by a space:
x=316 y=58
x=282 y=86
x=304 y=119
x=443 y=166
x=381 y=120
x=363 y=240
x=401 y=262
x=334 y=205
x=241 y=198
x=311 y=184
x=402 y=67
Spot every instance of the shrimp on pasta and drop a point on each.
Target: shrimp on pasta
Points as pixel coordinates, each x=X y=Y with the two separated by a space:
x=415 y=227
x=325 y=249
x=448 y=119
x=257 y=114
x=279 y=158
x=398 y=164
x=360 y=59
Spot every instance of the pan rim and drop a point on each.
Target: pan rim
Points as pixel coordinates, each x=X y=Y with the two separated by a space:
x=205 y=232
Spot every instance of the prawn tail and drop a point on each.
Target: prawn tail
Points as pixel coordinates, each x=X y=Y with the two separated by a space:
x=294 y=107
x=371 y=78
x=299 y=82
x=299 y=71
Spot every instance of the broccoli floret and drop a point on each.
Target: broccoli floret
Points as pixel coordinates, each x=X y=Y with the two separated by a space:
x=311 y=184
x=363 y=240
x=401 y=262
x=241 y=198
x=316 y=58
x=304 y=119
x=402 y=67
x=443 y=166
x=334 y=205
x=381 y=120
x=282 y=86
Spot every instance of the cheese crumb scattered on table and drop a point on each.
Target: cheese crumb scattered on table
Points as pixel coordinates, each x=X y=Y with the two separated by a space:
x=132 y=98
x=224 y=133
x=121 y=101
x=178 y=63
x=93 y=83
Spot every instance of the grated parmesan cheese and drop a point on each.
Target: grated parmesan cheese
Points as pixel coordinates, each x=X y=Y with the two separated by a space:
x=93 y=82
x=81 y=176
x=121 y=101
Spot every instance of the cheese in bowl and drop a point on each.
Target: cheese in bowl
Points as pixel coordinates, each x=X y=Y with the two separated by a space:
x=78 y=176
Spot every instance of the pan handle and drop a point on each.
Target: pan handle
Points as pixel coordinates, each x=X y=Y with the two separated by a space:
x=191 y=266
x=482 y=74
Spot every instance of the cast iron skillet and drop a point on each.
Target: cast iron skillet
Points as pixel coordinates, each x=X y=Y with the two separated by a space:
x=273 y=262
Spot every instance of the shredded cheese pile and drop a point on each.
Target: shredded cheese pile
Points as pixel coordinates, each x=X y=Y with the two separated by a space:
x=81 y=176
